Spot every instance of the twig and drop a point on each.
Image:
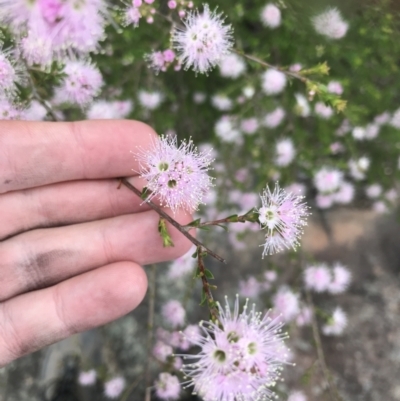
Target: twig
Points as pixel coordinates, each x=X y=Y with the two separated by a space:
x=333 y=392
x=265 y=64
x=131 y=388
x=150 y=324
x=170 y=220
x=206 y=288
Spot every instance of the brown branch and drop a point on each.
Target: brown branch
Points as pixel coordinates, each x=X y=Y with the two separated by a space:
x=170 y=220
x=206 y=288
x=150 y=326
x=333 y=392
x=265 y=64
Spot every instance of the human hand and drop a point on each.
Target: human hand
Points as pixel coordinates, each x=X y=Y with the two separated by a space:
x=71 y=243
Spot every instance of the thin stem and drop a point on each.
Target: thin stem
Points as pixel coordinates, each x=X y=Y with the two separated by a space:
x=170 y=220
x=150 y=326
x=131 y=388
x=206 y=287
x=333 y=392
x=265 y=64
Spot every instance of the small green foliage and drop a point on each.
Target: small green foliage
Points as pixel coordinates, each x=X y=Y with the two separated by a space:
x=162 y=229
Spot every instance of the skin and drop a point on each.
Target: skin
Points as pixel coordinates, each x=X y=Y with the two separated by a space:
x=71 y=243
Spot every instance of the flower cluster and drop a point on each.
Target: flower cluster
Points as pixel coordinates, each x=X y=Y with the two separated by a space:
x=283 y=215
x=204 y=40
x=331 y=24
x=176 y=175
x=320 y=278
x=51 y=29
x=240 y=359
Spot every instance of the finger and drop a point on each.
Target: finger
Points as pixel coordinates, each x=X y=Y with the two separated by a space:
x=43 y=257
x=66 y=203
x=34 y=320
x=34 y=154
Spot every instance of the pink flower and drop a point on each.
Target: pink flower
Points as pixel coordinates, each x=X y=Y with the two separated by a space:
x=232 y=66
x=176 y=175
x=173 y=313
x=345 y=193
x=328 y=180
x=238 y=359
x=285 y=152
x=10 y=74
x=335 y=87
x=249 y=288
x=331 y=24
x=9 y=110
x=286 y=304
x=162 y=351
x=271 y=16
x=323 y=111
x=341 y=279
x=283 y=215
x=274 y=118
x=87 y=378
x=324 y=201
x=297 y=396
x=82 y=83
x=304 y=317
x=336 y=324
x=204 y=41
x=167 y=387
x=273 y=81
x=317 y=278
x=249 y=125
x=113 y=388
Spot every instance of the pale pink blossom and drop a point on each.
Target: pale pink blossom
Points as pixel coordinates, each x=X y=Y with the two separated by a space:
x=359 y=167
x=341 y=279
x=336 y=324
x=87 y=378
x=114 y=387
x=273 y=81
x=204 y=40
x=345 y=193
x=331 y=24
x=232 y=66
x=221 y=102
x=317 y=278
x=335 y=87
x=380 y=207
x=271 y=16
x=239 y=359
x=382 y=119
x=150 y=100
x=283 y=215
x=328 y=180
x=304 y=317
x=249 y=125
x=324 y=201
x=176 y=175
x=373 y=191
x=372 y=131
x=82 y=83
x=173 y=313
x=286 y=303
x=249 y=288
x=167 y=386
x=297 y=396
x=297 y=188
x=226 y=129
x=285 y=152
x=358 y=133
x=162 y=351
x=323 y=111
x=274 y=118
x=302 y=107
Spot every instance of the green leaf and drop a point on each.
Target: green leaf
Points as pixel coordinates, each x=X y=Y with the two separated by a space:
x=162 y=229
x=208 y=274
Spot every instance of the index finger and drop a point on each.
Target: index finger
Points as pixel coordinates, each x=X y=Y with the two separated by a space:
x=33 y=154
